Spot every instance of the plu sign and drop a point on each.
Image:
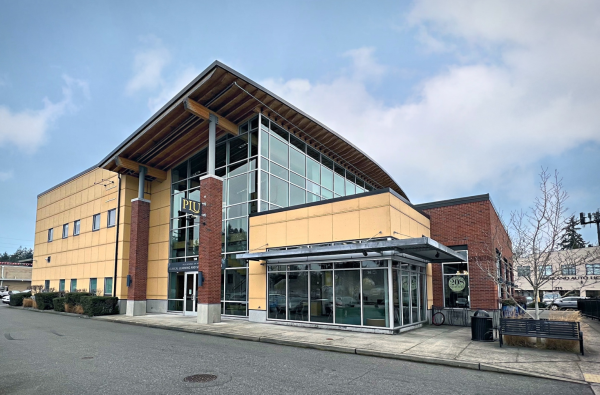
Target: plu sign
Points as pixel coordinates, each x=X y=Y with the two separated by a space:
x=191 y=207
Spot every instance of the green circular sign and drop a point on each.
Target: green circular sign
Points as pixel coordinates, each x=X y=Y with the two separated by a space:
x=457 y=283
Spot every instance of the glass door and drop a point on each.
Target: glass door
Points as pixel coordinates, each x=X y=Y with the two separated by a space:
x=191 y=290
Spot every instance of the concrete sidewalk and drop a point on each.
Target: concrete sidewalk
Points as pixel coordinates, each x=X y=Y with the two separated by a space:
x=445 y=345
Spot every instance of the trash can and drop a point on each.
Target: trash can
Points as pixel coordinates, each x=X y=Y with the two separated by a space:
x=482 y=328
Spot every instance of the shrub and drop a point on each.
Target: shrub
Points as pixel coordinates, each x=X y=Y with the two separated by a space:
x=508 y=302
x=541 y=304
x=99 y=305
x=17 y=299
x=44 y=300
x=59 y=304
x=74 y=298
x=27 y=302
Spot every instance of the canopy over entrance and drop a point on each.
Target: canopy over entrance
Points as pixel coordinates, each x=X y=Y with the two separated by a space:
x=421 y=249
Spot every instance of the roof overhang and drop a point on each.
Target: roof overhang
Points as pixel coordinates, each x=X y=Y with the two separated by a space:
x=179 y=129
x=422 y=249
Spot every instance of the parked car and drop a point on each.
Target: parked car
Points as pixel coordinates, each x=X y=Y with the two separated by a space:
x=6 y=299
x=550 y=297
x=570 y=302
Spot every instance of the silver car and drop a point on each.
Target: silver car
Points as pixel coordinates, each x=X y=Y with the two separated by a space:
x=569 y=302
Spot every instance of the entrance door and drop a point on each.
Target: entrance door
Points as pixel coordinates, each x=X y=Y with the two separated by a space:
x=191 y=290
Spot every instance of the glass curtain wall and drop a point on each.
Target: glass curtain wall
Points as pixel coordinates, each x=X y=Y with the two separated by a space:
x=353 y=293
x=294 y=173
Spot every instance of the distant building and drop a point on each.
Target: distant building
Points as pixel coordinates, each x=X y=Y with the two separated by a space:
x=582 y=280
x=16 y=276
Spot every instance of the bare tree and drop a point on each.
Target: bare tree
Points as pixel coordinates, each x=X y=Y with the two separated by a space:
x=536 y=235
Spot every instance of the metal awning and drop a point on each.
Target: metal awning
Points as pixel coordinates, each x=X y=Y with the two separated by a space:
x=420 y=248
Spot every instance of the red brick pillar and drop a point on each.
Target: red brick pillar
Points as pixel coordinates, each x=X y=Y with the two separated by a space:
x=138 y=256
x=209 y=254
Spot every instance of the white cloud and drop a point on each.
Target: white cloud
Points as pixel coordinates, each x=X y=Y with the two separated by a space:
x=477 y=120
x=149 y=74
x=27 y=129
x=148 y=66
x=6 y=175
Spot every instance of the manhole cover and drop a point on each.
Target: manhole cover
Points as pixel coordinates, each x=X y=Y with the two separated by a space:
x=200 y=378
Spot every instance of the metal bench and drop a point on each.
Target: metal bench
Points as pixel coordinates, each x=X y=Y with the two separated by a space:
x=541 y=328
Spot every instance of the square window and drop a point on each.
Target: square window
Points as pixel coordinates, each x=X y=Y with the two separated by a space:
x=65 y=231
x=96 y=222
x=112 y=218
x=76 y=227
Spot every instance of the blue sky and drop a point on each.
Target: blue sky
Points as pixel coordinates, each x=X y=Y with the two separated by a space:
x=452 y=98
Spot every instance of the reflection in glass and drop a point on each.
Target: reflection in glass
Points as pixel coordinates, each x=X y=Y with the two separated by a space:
x=375 y=297
x=264 y=186
x=237 y=235
x=236 y=284
x=177 y=243
x=296 y=196
x=414 y=293
x=277 y=290
x=193 y=240
x=235 y=309
x=297 y=162
x=347 y=297
x=338 y=184
x=327 y=178
x=264 y=144
x=238 y=189
x=321 y=296
x=296 y=179
x=279 y=151
x=396 y=295
x=405 y=299
x=313 y=171
x=298 y=296
x=278 y=192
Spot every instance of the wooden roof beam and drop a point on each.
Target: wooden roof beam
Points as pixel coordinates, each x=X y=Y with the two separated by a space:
x=129 y=164
x=200 y=111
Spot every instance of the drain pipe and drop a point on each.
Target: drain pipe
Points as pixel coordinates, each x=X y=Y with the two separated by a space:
x=117 y=238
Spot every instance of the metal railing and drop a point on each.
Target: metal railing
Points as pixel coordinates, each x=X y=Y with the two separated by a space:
x=589 y=308
x=462 y=317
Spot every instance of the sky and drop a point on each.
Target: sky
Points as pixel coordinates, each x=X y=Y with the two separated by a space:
x=453 y=99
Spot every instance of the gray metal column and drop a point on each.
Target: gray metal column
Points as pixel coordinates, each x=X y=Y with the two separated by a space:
x=143 y=171
x=213 y=121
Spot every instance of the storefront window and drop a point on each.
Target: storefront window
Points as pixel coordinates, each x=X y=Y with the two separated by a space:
x=298 y=296
x=375 y=298
x=347 y=297
x=456 y=285
x=321 y=296
x=277 y=290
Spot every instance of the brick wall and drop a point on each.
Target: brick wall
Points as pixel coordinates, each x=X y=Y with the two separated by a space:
x=209 y=254
x=477 y=226
x=138 y=249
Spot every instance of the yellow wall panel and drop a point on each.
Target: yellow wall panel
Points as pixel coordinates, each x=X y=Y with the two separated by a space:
x=375 y=220
x=297 y=232
x=320 y=229
x=276 y=234
x=346 y=225
x=258 y=236
x=300 y=213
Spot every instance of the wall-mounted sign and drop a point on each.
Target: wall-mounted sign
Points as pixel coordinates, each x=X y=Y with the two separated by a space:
x=457 y=283
x=189 y=266
x=191 y=207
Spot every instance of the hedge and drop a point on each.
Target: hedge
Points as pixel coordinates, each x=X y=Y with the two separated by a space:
x=44 y=300
x=99 y=305
x=59 y=304
x=74 y=298
x=17 y=299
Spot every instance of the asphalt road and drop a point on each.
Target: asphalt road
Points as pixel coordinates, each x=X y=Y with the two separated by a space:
x=54 y=354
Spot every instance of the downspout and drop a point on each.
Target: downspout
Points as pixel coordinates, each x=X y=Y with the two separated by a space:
x=117 y=237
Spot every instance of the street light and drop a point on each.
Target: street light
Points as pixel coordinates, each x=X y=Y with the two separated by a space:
x=593 y=218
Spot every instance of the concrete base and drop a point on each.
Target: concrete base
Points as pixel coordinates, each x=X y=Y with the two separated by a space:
x=209 y=313
x=257 y=316
x=136 y=307
x=156 y=306
x=122 y=306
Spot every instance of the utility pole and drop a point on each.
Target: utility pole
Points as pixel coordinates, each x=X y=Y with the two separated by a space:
x=592 y=218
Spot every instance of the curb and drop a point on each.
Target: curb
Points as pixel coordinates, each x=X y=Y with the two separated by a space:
x=324 y=347
x=49 y=312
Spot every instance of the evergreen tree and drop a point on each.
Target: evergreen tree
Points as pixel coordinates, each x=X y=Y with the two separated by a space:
x=571 y=239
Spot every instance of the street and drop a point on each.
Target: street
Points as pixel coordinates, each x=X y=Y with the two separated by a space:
x=53 y=354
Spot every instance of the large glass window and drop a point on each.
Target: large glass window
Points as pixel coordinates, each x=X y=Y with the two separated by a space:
x=348 y=293
x=456 y=285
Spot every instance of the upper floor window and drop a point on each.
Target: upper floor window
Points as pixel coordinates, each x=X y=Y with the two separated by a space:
x=76 y=227
x=592 y=269
x=568 y=270
x=50 y=234
x=112 y=218
x=96 y=222
x=65 y=231
x=523 y=271
x=545 y=270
